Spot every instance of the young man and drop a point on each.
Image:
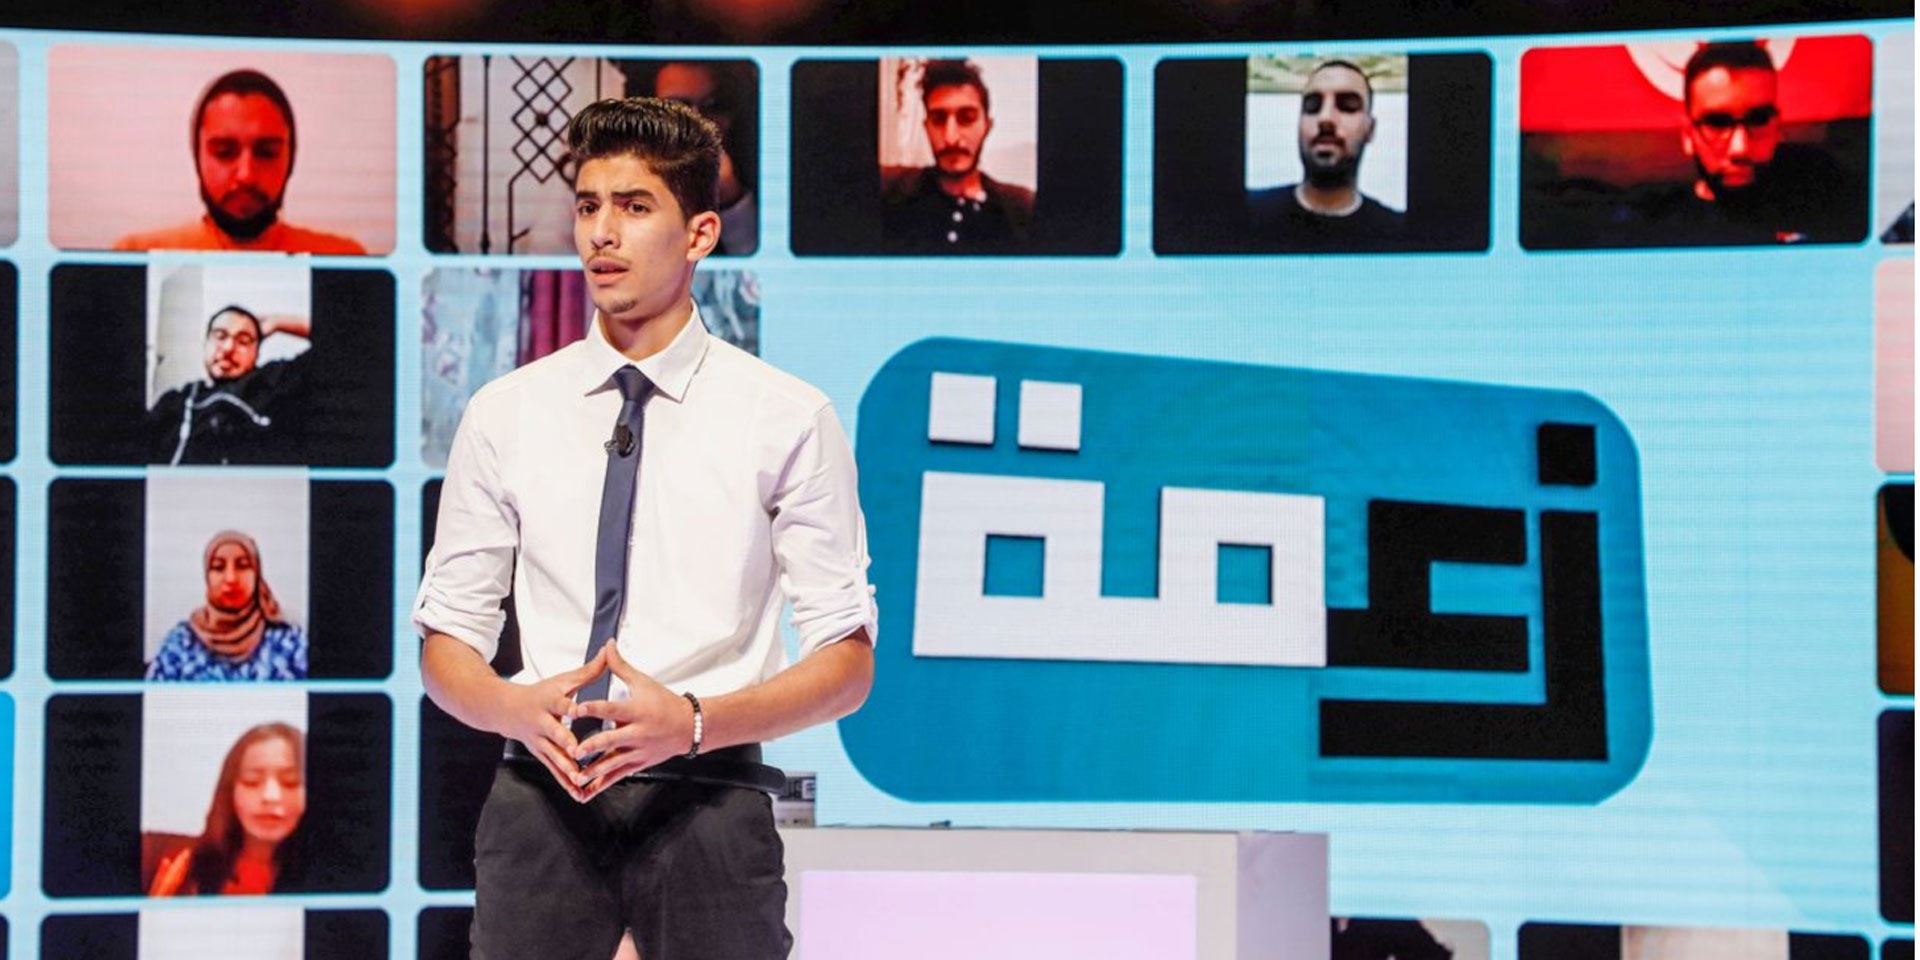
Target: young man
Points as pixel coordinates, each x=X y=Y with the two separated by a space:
x=1751 y=185
x=242 y=136
x=1733 y=118
x=1326 y=207
x=656 y=489
x=953 y=205
x=244 y=411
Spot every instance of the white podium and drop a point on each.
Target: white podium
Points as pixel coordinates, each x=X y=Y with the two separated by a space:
x=947 y=894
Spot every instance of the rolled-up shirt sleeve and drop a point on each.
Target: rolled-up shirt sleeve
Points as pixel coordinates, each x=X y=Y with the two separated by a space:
x=470 y=569
x=820 y=538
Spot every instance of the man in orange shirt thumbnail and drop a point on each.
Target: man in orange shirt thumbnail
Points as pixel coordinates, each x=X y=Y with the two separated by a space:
x=244 y=143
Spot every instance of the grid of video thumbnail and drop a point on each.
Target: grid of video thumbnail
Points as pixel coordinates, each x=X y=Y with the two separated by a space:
x=247 y=288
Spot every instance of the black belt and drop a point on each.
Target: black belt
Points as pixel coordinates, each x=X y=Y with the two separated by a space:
x=736 y=766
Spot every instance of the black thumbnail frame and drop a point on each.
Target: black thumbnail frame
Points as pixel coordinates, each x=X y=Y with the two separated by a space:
x=96 y=536
x=1200 y=145
x=835 y=172
x=91 y=828
x=326 y=935
x=97 y=342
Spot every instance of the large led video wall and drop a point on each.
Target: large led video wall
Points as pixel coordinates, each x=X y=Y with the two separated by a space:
x=1496 y=454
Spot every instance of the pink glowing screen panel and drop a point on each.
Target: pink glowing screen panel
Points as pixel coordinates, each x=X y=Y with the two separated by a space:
x=885 y=915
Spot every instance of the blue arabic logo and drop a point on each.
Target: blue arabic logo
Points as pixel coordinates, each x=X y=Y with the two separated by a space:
x=1116 y=577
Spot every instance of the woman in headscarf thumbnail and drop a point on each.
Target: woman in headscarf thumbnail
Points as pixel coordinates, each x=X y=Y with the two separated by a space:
x=239 y=633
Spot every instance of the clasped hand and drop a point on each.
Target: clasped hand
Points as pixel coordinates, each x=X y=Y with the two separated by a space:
x=652 y=725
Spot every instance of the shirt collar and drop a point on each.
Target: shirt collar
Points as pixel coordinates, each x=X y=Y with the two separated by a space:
x=670 y=370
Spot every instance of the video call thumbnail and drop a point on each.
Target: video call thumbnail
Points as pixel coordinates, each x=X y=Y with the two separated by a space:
x=457 y=767
x=477 y=325
x=9 y=146
x=454 y=782
x=217 y=792
x=442 y=933
x=1893 y=562
x=506 y=660
x=219 y=576
x=1569 y=941
x=1893 y=211
x=1686 y=144
x=1364 y=938
x=962 y=156
x=1355 y=153
x=1893 y=365
x=9 y=548
x=186 y=363
x=229 y=933
x=499 y=178
x=9 y=361
x=282 y=152
x=1896 y=815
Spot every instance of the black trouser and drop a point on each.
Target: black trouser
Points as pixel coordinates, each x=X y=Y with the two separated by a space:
x=694 y=870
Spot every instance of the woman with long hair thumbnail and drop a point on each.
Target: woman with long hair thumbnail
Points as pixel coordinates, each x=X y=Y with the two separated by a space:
x=252 y=839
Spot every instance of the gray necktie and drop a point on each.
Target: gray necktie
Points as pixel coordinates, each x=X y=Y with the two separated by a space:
x=616 y=527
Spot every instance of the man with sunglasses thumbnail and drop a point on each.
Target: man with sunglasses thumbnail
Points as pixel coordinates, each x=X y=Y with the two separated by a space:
x=1750 y=186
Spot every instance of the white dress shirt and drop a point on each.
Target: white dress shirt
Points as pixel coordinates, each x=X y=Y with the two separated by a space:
x=747 y=495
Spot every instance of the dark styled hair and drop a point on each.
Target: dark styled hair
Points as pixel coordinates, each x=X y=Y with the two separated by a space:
x=1730 y=54
x=219 y=844
x=681 y=146
x=243 y=311
x=953 y=73
x=1365 y=80
x=242 y=83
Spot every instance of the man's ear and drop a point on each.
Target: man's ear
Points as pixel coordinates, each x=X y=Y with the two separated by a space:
x=1686 y=142
x=703 y=235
